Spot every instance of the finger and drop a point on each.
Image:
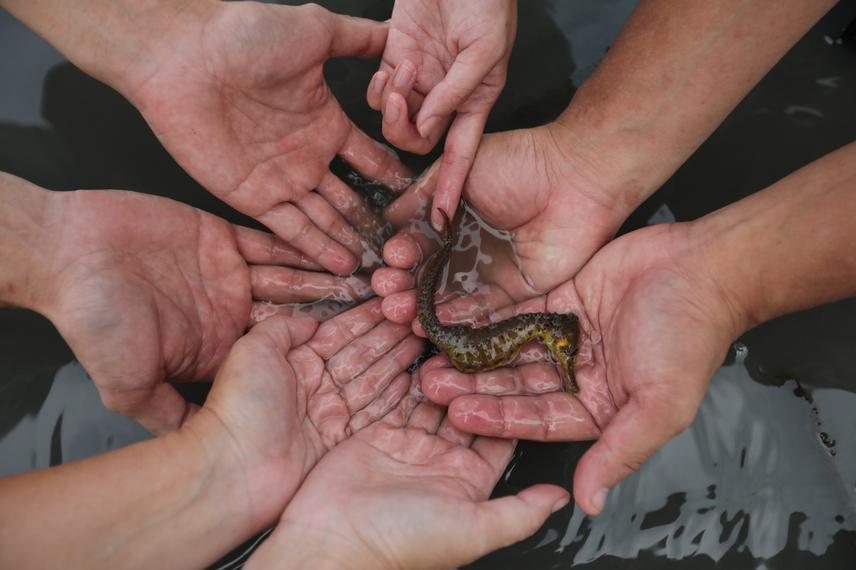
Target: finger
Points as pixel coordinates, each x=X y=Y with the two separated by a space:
x=495 y=452
x=458 y=155
x=443 y=385
x=318 y=310
x=292 y=225
x=406 y=249
x=426 y=416
x=383 y=404
x=349 y=204
x=399 y=416
x=412 y=206
x=403 y=81
x=387 y=280
x=287 y=285
x=160 y=409
x=638 y=430
x=355 y=358
x=263 y=310
x=366 y=387
x=504 y=521
x=550 y=417
x=374 y=160
x=265 y=248
x=356 y=36
x=402 y=133
x=374 y=93
x=400 y=307
x=466 y=74
x=452 y=434
x=285 y=332
x=331 y=222
x=338 y=332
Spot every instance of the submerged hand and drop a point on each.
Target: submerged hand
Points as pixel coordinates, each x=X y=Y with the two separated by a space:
x=409 y=481
x=238 y=97
x=555 y=210
x=147 y=290
x=654 y=329
x=285 y=405
x=444 y=62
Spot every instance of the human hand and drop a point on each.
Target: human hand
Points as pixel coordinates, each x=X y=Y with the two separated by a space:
x=556 y=208
x=654 y=325
x=444 y=62
x=236 y=93
x=384 y=496
x=146 y=290
x=285 y=399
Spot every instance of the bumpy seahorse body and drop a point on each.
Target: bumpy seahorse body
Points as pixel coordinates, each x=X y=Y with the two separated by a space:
x=497 y=344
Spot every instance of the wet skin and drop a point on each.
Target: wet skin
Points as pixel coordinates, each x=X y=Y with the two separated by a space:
x=497 y=344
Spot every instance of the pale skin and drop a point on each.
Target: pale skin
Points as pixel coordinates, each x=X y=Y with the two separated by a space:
x=145 y=289
x=659 y=308
x=444 y=63
x=286 y=395
x=407 y=481
x=236 y=94
x=562 y=190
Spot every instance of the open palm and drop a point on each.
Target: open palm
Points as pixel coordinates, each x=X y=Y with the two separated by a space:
x=406 y=481
x=654 y=330
x=520 y=183
x=240 y=101
x=147 y=290
x=300 y=398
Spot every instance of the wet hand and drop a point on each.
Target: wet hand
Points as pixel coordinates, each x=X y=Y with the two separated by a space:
x=146 y=290
x=444 y=62
x=380 y=498
x=524 y=182
x=237 y=95
x=288 y=393
x=654 y=329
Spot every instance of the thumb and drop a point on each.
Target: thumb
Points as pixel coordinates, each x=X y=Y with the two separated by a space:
x=642 y=426
x=359 y=37
x=285 y=332
x=507 y=520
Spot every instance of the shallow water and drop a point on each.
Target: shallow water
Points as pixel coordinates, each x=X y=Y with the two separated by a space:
x=766 y=475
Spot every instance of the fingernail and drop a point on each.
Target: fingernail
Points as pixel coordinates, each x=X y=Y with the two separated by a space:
x=560 y=504
x=375 y=84
x=392 y=112
x=599 y=499
x=436 y=220
x=428 y=126
x=403 y=75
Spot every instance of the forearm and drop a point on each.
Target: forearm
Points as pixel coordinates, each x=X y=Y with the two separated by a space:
x=164 y=503
x=112 y=40
x=788 y=247
x=674 y=73
x=25 y=211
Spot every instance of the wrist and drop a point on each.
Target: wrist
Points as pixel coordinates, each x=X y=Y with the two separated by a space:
x=596 y=170
x=616 y=158
x=717 y=263
x=26 y=214
x=305 y=547
x=222 y=474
